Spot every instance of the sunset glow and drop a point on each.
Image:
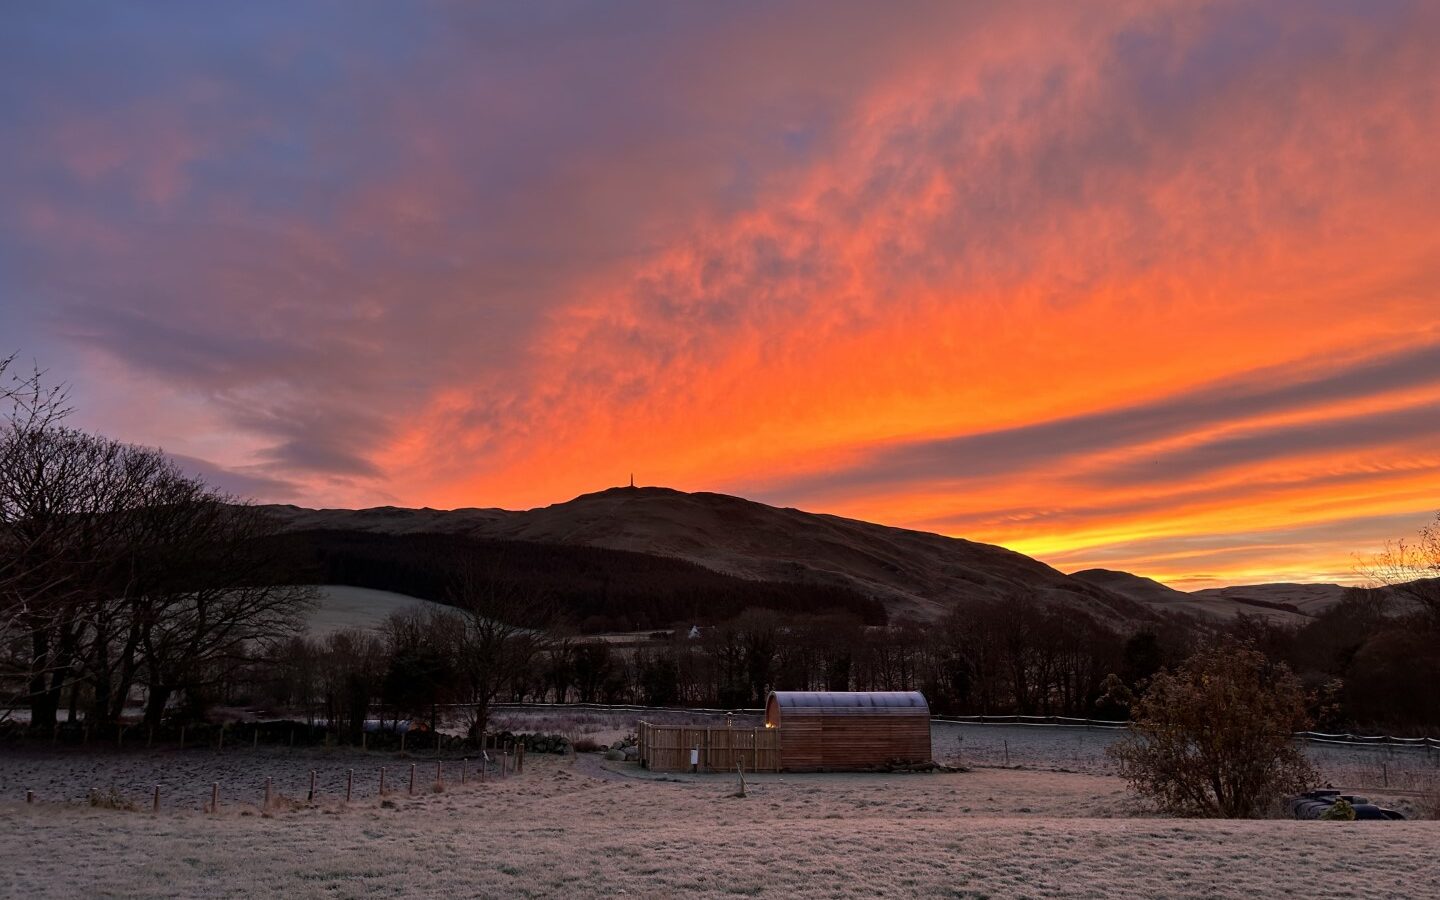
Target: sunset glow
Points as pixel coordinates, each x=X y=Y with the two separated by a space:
x=1147 y=286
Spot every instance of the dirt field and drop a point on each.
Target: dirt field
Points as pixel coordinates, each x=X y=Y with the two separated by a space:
x=585 y=826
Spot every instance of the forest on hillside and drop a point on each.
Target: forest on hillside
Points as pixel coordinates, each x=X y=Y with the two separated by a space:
x=591 y=589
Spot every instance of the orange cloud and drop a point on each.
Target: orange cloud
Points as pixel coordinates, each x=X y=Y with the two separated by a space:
x=1154 y=287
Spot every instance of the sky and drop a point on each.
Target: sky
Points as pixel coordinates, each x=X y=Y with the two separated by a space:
x=1150 y=286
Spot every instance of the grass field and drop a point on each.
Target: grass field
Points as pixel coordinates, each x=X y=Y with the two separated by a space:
x=341 y=606
x=575 y=826
x=584 y=826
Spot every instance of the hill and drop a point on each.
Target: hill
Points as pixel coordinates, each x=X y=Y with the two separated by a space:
x=342 y=606
x=596 y=588
x=1217 y=603
x=1137 y=587
x=911 y=574
x=1304 y=599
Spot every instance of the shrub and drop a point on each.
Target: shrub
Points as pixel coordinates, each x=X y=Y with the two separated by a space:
x=1214 y=738
x=1341 y=811
x=588 y=745
x=111 y=799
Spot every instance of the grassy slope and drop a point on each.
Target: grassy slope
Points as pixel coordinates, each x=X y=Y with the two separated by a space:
x=342 y=606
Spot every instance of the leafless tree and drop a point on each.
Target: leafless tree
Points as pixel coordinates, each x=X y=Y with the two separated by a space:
x=119 y=569
x=505 y=631
x=35 y=579
x=203 y=601
x=353 y=666
x=1410 y=569
x=422 y=650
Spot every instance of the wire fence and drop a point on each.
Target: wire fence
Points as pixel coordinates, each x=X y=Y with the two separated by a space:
x=1314 y=737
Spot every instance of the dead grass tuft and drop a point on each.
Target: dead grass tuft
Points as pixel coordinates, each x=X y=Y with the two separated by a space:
x=111 y=799
x=1428 y=803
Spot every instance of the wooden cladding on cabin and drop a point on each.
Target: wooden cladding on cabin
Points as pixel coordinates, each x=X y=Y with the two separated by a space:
x=811 y=732
x=850 y=730
x=851 y=741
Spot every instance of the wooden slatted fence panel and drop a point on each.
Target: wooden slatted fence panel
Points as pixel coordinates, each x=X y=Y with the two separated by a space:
x=667 y=748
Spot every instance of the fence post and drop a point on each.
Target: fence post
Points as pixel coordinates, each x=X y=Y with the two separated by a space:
x=349 y=783
x=214 y=797
x=311 y=797
x=29 y=796
x=464 y=769
x=412 y=779
x=382 y=781
x=439 y=776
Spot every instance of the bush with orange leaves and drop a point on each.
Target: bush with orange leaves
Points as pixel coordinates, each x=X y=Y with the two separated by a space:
x=1214 y=738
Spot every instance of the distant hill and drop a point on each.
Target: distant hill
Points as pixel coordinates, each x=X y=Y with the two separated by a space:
x=1218 y=603
x=1306 y=599
x=1137 y=587
x=911 y=573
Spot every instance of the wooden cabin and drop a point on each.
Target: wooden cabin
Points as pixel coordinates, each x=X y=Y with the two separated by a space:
x=849 y=730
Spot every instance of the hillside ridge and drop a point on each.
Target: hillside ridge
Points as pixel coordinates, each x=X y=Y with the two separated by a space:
x=916 y=574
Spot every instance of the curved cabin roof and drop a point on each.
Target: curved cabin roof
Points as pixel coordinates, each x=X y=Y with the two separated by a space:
x=844 y=703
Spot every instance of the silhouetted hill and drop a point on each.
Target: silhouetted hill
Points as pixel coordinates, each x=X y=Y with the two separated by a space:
x=909 y=573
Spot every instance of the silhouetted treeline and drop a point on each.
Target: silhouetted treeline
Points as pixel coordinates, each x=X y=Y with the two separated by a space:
x=1001 y=656
x=1011 y=655
x=1370 y=663
x=1366 y=664
x=595 y=588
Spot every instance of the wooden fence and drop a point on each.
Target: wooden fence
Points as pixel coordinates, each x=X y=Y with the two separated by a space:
x=665 y=748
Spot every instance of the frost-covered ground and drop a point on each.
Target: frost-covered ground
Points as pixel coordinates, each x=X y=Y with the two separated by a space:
x=570 y=826
x=1378 y=771
x=185 y=777
x=1060 y=826
x=1079 y=749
